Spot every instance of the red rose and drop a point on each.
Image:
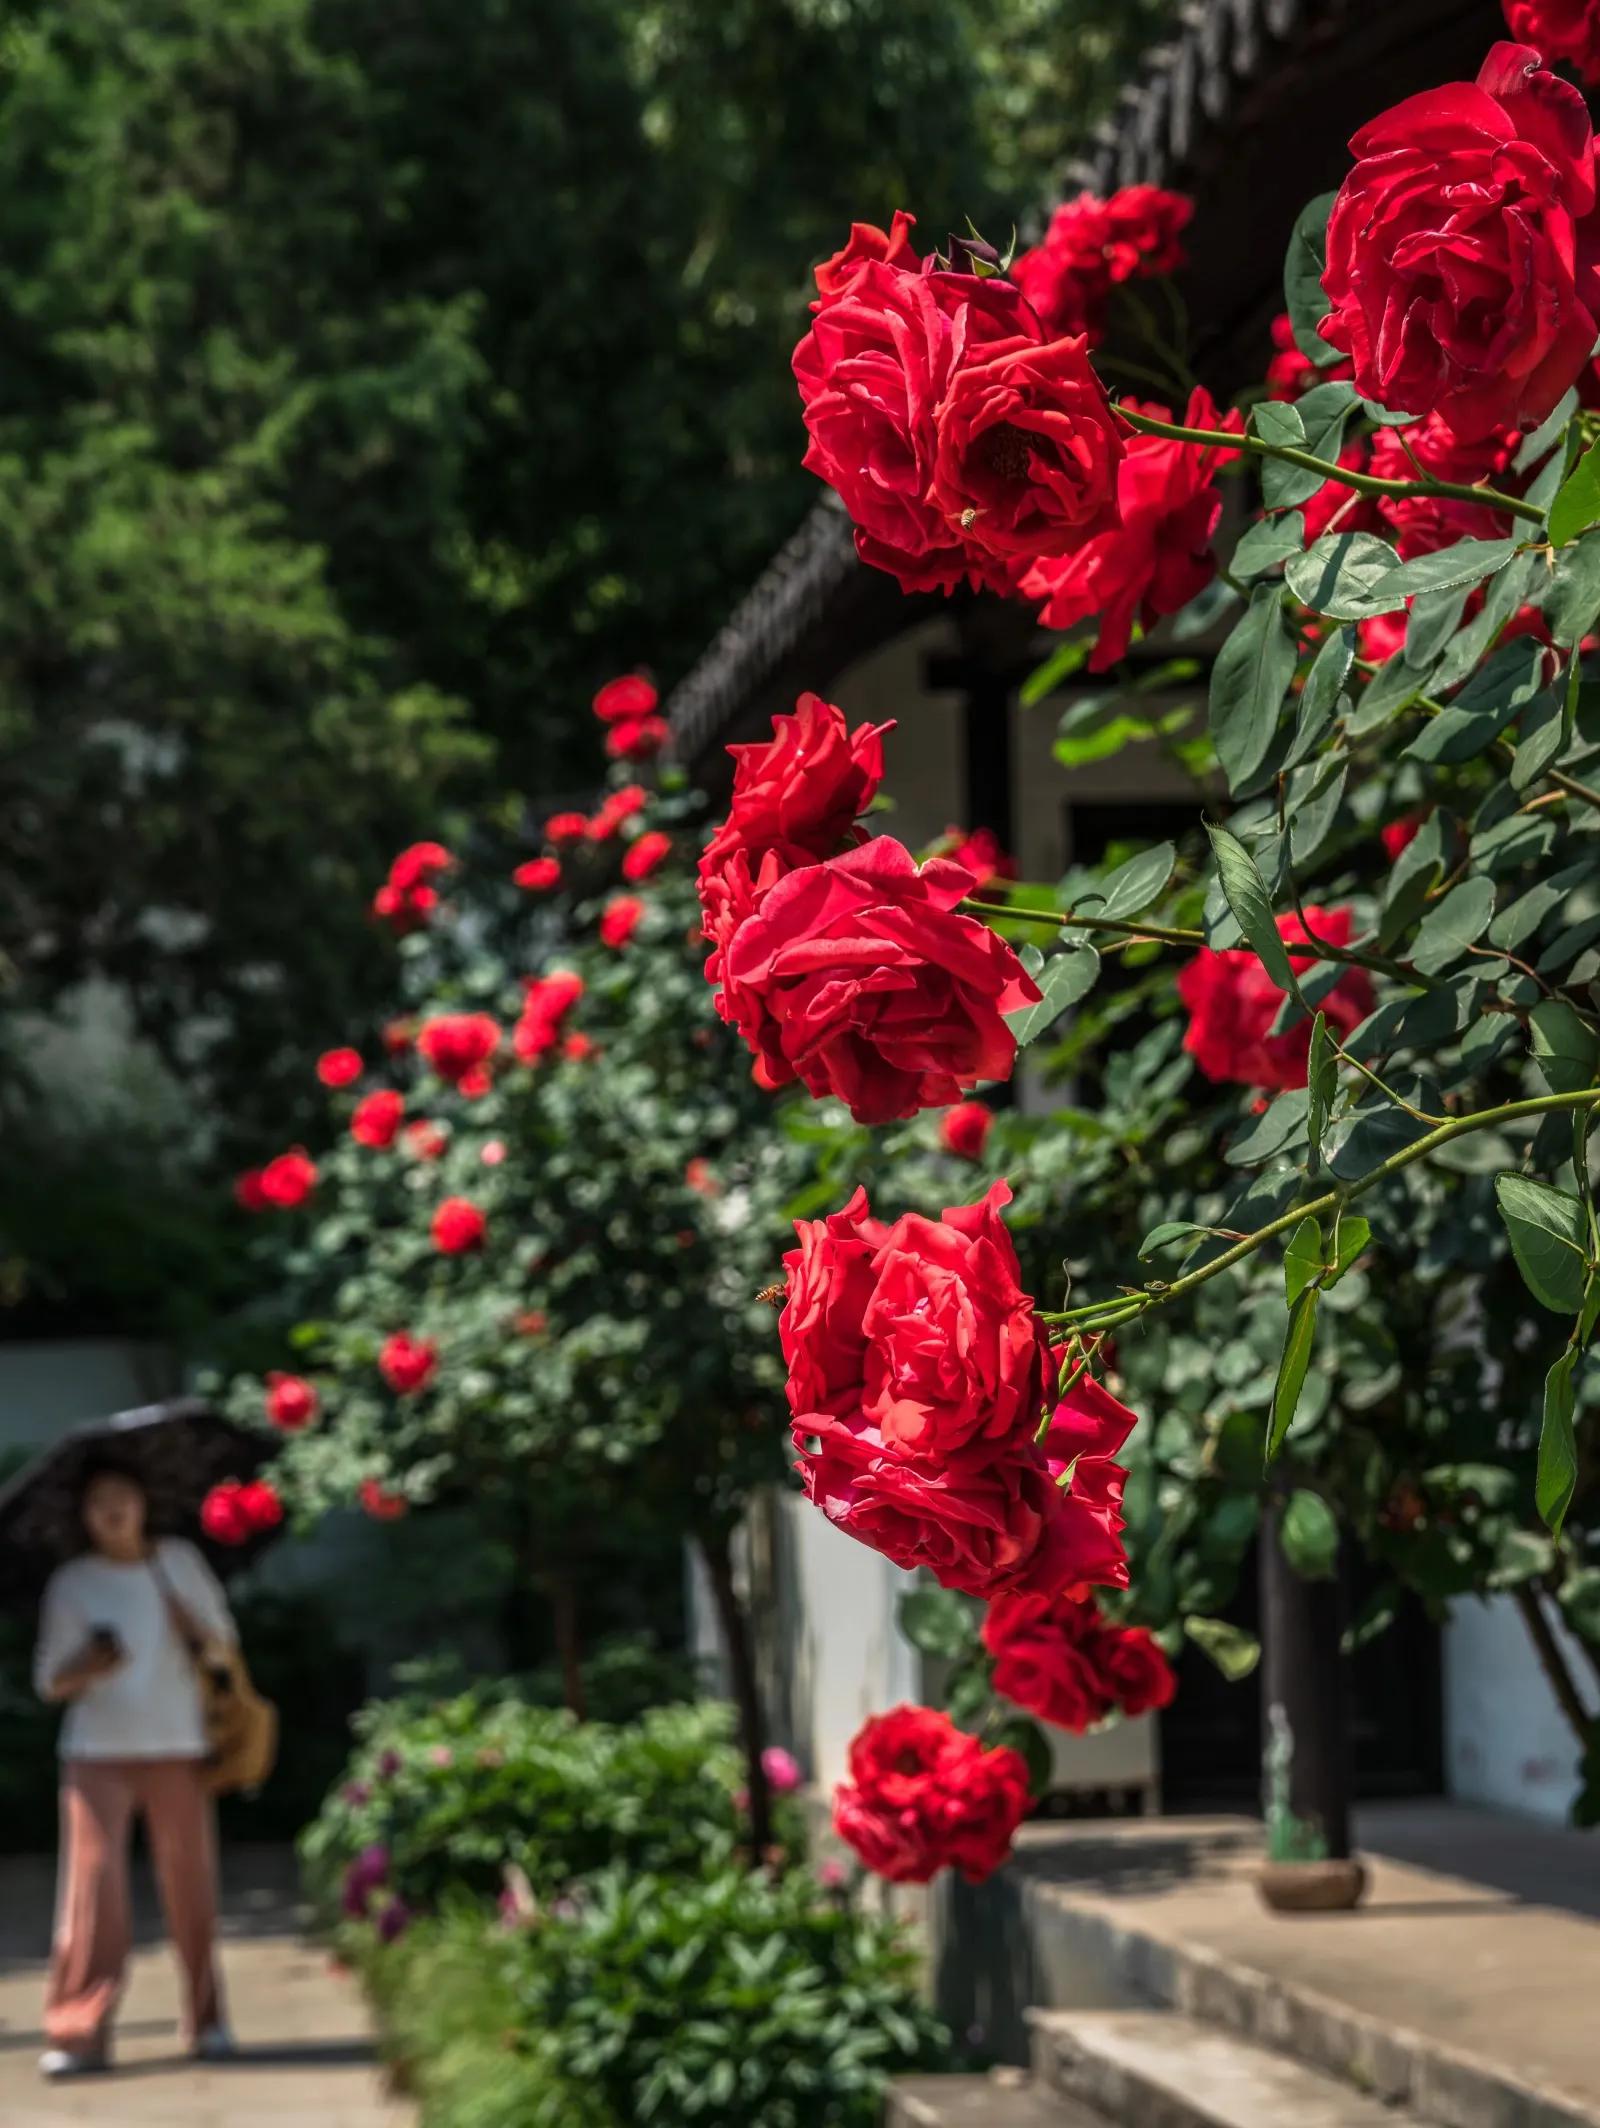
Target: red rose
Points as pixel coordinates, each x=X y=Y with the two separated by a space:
x=1290 y=373
x=1233 y=1003
x=802 y=789
x=1088 y=1427
x=1559 y=29
x=289 y=1180
x=622 y=701
x=1137 y=1675
x=425 y=1140
x=566 y=827
x=1158 y=556
x=458 y=1225
x=1379 y=637
x=1028 y=450
x=378 y=1502
x=1336 y=508
x=1460 y=274
x=259 y=1505
x=222 y=1516
x=375 y=1120
x=578 y=1048
x=1092 y=245
x=1044 y=1658
x=640 y=739
x=620 y=919
x=248 y=1194
x=291 y=1402
x=546 y=1002
x=407 y=897
x=1423 y=524
x=701 y=1178
x=338 y=1067
x=1398 y=835
x=456 y=1043
x=538 y=875
x=858 y=977
x=922 y=1796
x=398 y=1036
x=866 y=244
x=620 y=806
x=978 y=851
x=964 y=1129
x=408 y=1363
x=647 y=855
x=531 y=1322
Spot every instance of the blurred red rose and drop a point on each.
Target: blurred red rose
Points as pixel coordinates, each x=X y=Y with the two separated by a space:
x=1398 y=835
x=222 y=1514
x=648 y=854
x=621 y=701
x=1233 y=1002
x=964 y=1129
x=1423 y=524
x=259 y=1505
x=458 y=1225
x=375 y=1120
x=923 y=1796
x=408 y=1363
x=566 y=827
x=289 y=1180
x=1290 y=373
x=1136 y=1671
x=248 y=1193
x=425 y=1140
x=578 y=1048
x=641 y=739
x=378 y=1502
x=1044 y=1660
x=408 y=897
x=620 y=919
x=538 y=875
x=621 y=805
x=1087 y=1430
x=291 y=1401
x=1092 y=245
x=1559 y=29
x=978 y=851
x=456 y=1043
x=338 y=1067
x=1336 y=508
x=1461 y=270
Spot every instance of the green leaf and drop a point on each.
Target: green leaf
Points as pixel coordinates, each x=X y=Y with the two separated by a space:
x=1062 y=663
x=1549 y=1234
x=1485 y=706
x=1266 y=544
x=1573 y=604
x=1322 y=1083
x=1311 y=805
x=1354 y=1234
x=1278 y=421
x=1541 y=735
x=1246 y=893
x=1029 y=1741
x=1302 y=1259
x=1292 y=1367
x=1281 y=1124
x=1557 y=1476
x=1322 y=412
x=1303 y=266
x=939 y=1622
x=1580 y=1603
x=1132 y=886
x=1469 y=561
x=1171 y=1230
x=1548 y=434
x=1248 y=683
x=1342 y=575
x=1577 y=503
x=1452 y=925
x=1432 y=621
x=1067 y=977
x=1565 y=1047
x=1309 y=1536
x=1234 y=1651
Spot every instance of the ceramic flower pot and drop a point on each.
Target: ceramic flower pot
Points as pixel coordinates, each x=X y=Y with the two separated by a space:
x=1312 y=1887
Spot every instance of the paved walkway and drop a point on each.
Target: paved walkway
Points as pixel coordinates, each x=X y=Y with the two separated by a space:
x=307 y=2059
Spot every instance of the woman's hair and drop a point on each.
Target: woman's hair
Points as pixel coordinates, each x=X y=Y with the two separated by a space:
x=100 y=1466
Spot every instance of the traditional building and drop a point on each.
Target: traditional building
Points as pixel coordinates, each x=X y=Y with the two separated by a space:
x=1248 y=109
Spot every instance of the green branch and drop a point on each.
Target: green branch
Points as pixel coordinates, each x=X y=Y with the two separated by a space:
x=1124 y=1307
x=1312 y=949
x=1363 y=483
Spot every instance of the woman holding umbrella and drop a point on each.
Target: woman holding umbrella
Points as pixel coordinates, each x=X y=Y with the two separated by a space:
x=118 y=1627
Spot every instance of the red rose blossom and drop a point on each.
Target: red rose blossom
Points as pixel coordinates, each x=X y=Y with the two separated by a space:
x=566 y=827
x=1559 y=29
x=222 y=1516
x=1157 y=556
x=458 y=1225
x=1092 y=245
x=259 y=1505
x=378 y=1502
x=538 y=875
x=978 y=851
x=1233 y=1003
x=867 y=243
x=619 y=919
x=375 y=1120
x=424 y=1140
x=408 y=1363
x=248 y=1194
x=579 y=1047
x=923 y=1796
x=338 y=1067
x=546 y=1002
x=701 y=1177
x=1044 y=1658
x=648 y=854
x=1136 y=1671
x=1087 y=1430
x=964 y=1129
x=456 y=1043
x=1290 y=373
x=398 y=1036
x=621 y=805
x=1336 y=508
x=858 y=976
x=640 y=739
x=1461 y=272
x=408 y=897
x=1423 y=524
x=289 y=1180
x=291 y=1402
x=622 y=701
x=1397 y=835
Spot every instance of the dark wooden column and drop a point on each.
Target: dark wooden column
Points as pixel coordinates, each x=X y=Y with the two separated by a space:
x=1304 y=1673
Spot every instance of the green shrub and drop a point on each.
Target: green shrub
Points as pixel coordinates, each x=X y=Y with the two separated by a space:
x=447 y=1795
x=734 y=2000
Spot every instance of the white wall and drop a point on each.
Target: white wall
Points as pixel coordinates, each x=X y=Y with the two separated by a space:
x=1507 y=1742
x=49 y=1384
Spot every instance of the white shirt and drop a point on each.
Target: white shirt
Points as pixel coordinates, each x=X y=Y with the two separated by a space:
x=149 y=1707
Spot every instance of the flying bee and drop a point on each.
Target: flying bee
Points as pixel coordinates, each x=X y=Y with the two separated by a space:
x=774 y=1296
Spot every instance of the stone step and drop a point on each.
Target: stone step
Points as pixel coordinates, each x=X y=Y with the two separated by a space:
x=1157 y=2069
x=981 y=2102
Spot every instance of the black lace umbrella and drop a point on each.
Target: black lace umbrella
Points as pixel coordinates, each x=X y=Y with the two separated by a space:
x=177 y=1450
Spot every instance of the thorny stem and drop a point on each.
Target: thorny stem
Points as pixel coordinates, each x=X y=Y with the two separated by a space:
x=1363 y=483
x=1123 y=1307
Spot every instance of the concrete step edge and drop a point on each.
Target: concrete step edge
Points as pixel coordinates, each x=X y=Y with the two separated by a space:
x=981 y=2102
x=1446 y=2086
x=1159 y=2069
